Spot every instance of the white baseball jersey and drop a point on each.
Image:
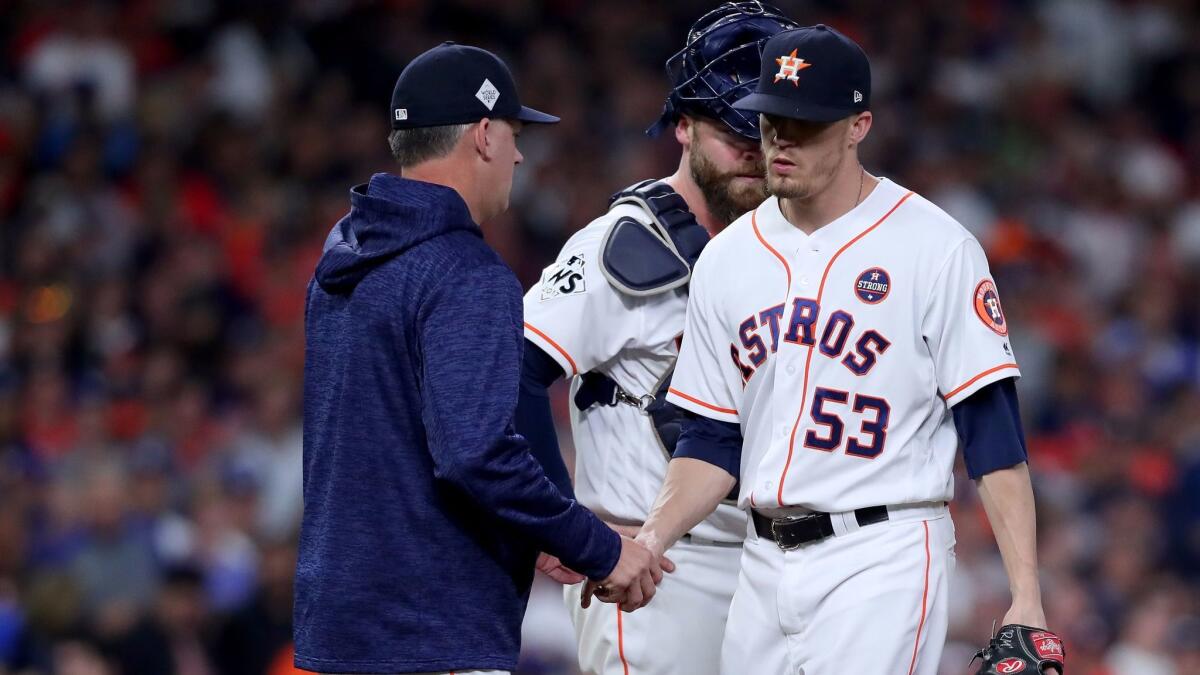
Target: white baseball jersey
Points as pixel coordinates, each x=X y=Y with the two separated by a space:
x=840 y=353
x=577 y=317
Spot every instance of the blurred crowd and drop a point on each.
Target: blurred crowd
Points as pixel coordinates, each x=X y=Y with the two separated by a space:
x=169 y=170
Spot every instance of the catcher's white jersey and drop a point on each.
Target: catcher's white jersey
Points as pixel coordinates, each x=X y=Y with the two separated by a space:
x=840 y=353
x=577 y=317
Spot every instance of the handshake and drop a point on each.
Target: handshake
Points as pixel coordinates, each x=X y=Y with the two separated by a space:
x=633 y=581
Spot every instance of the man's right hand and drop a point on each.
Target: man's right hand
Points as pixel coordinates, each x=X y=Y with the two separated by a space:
x=632 y=582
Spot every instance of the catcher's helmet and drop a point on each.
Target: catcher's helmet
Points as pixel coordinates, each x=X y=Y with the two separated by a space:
x=720 y=64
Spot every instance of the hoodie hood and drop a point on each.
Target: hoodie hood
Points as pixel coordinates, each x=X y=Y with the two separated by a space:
x=388 y=216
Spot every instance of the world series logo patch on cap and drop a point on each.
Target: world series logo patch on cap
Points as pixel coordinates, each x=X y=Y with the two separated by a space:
x=488 y=94
x=987 y=307
x=873 y=286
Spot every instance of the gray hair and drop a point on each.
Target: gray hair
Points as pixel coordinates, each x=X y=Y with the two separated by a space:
x=413 y=146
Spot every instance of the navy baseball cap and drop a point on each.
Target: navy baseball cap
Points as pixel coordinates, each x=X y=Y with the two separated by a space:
x=458 y=84
x=813 y=73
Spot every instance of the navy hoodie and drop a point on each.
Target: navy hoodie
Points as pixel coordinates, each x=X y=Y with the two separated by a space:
x=423 y=510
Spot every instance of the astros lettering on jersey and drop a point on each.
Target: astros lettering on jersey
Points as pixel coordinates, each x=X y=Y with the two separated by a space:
x=840 y=353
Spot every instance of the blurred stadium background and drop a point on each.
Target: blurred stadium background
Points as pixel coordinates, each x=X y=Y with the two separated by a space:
x=169 y=170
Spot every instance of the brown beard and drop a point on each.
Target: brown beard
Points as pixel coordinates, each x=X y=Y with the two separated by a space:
x=725 y=202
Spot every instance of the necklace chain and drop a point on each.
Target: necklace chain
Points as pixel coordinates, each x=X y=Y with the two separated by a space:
x=862 y=176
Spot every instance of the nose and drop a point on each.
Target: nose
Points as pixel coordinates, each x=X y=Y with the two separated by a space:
x=519 y=157
x=780 y=142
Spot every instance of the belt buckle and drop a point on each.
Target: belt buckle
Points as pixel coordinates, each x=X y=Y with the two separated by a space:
x=776 y=533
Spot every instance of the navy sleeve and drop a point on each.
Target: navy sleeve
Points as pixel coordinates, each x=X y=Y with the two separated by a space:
x=534 y=419
x=470 y=330
x=989 y=426
x=713 y=441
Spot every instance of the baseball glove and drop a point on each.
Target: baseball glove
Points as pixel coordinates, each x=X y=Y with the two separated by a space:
x=1021 y=649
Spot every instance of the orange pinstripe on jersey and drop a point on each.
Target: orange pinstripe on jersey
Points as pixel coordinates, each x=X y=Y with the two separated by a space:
x=975 y=379
x=787 y=291
x=621 y=640
x=808 y=359
x=763 y=241
x=574 y=368
x=924 y=602
x=697 y=401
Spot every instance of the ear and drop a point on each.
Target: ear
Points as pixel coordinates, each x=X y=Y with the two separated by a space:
x=860 y=126
x=485 y=145
x=683 y=131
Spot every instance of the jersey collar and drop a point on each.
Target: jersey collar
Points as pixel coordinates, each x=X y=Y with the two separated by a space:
x=776 y=228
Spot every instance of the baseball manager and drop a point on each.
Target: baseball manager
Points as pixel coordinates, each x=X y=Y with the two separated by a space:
x=423 y=511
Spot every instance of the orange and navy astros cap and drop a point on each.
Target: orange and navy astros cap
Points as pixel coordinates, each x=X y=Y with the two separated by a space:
x=813 y=73
x=458 y=84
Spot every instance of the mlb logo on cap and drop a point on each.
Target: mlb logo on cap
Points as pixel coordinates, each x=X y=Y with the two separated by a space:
x=813 y=73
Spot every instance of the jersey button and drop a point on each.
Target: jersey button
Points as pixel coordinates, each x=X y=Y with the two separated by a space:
x=791 y=370
x=803 y=281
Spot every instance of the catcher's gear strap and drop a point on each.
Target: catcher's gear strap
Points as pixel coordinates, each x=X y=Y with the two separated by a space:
x=643 y=259
x=711 y=441
x=1018 y=648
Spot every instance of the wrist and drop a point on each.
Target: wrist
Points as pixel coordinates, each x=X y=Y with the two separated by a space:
x=1025 y=585
x=1032 y=616
x=652 y=542
x=1027 y=608
x=1026 y=595
x=612 y=547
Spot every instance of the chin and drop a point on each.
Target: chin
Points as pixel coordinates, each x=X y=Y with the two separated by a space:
x=788 y=188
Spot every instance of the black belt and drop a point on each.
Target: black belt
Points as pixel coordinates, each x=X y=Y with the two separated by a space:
x=791 y=533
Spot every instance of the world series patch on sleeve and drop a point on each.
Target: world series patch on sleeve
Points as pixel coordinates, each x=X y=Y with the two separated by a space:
x=1021 y=649
x=563 y=278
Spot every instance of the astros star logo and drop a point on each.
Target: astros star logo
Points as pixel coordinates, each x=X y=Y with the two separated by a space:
x=789 y=68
